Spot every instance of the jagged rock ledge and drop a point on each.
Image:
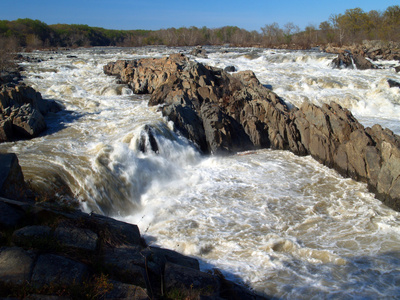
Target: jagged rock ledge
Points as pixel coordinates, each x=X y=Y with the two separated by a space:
x=22 y=109
x=50 y=251
x=223 y=113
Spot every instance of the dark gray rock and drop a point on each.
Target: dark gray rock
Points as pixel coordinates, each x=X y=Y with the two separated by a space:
x=16 y=265
x=32 y=235
x=10 y=215
x=55 y=269
x=77 y=238
x=125 y=291
x=393 y=83
x=12 y=184
x=230 y=69
x=117 y=233
x=190 y=281
x=188 y=123
x=127 y=264
x=147 y=140
x=176 y=258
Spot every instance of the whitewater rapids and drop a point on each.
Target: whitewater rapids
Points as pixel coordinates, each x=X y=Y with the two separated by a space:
x=284 y=225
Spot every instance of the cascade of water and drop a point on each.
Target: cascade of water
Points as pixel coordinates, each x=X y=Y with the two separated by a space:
x=285 y=225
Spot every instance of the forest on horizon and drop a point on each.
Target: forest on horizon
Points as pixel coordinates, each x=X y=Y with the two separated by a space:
x=353 y=26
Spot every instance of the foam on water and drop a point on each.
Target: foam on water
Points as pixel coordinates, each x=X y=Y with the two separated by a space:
x=299 y=76
x=284 y=225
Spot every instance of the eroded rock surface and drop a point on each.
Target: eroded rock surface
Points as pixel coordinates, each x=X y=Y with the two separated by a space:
x=224 y=113
x=53 y=252
x=22 y=112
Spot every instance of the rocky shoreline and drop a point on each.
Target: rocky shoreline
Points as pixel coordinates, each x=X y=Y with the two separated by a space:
x=224 y=113
x=51 y=251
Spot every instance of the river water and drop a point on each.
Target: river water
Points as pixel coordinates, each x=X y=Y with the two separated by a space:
x=284 y=225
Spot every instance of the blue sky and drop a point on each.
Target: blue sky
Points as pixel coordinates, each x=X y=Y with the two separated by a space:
x=147 y=14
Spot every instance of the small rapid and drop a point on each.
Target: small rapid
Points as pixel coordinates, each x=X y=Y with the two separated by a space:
x=284 y=225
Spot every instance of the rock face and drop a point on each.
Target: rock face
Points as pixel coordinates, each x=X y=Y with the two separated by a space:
x=350 y=60
x=12 y=184
x=355 y=56
x=51 y=252
x=22 y=112
x=224 y=113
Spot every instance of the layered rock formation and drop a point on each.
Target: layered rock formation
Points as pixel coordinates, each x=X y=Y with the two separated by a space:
x=50 y=251
x=22 y=111
x=224 y=113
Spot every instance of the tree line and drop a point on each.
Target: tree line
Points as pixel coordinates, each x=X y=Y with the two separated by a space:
x=353 y=26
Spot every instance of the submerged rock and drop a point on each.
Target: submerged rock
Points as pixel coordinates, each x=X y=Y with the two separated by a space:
x=224 y=113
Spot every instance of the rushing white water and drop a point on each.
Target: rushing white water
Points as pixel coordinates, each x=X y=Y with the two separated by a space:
x=285 y=225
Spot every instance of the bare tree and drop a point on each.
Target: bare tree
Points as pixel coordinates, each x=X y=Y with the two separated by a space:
x=8 y=47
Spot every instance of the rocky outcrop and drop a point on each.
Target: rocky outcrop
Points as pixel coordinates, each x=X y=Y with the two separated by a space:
x=336 y=139
x=22 y=111
x=361 y=56
x=353 y=60
x=56 y=252
x=224 y=113
x=199 y=52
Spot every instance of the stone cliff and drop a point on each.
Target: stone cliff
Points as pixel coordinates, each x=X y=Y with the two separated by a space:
x=224 y=113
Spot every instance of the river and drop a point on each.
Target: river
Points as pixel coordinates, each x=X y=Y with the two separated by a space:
x=286 y=226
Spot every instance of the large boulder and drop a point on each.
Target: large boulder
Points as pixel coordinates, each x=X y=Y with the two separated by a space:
x=22 y=111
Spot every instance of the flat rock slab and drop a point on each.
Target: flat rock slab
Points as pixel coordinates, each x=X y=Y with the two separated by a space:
x=55 y=269
x=78 y=238
x=15 y=265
